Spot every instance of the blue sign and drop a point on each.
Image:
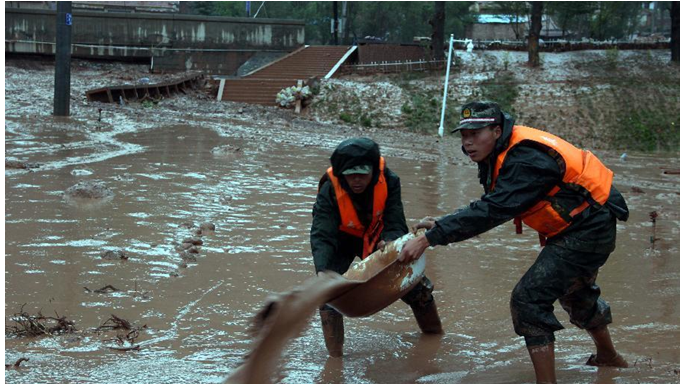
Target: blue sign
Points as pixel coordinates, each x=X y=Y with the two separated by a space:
x=69 y=19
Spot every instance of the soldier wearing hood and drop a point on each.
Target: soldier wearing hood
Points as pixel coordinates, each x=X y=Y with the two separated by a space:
x=358 y=209
x=564 y=193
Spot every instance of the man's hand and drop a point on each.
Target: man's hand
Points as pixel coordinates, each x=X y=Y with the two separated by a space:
x=427 y=223
x=413 y=249
x=381 y=245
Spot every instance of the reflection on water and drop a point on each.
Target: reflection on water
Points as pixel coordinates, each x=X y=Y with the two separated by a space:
x=260 y=200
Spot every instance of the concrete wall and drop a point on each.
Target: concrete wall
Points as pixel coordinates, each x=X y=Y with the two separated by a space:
x=180 y=42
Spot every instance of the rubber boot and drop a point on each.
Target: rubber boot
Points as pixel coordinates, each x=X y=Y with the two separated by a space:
x=606 y=353
x=333 y=331
x=427 y=317
x=543 y=358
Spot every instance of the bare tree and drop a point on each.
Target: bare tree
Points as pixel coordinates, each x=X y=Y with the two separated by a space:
x=675 y=32
x=535 y=32
x=437 y=21
x=515 y=12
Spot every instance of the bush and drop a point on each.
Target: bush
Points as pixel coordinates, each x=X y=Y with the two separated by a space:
x=346 y=117
x=502 y=89
x=365 y=121
x=648 y=130
x=612 y=57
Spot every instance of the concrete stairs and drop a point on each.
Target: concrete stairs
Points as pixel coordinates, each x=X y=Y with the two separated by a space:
x=262 y=85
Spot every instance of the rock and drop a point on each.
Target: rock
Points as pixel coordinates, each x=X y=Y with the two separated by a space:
x=117 y=254
x=89 y=189
x=82 y=172
x=192 y=240
x=16 y=164
x=188 y=256
x=207 y=227
x=226 y=150
x=188 y=224
x=636 y=190
x=193 y=250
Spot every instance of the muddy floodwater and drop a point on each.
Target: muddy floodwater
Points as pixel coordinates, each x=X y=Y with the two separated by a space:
x=257 y=183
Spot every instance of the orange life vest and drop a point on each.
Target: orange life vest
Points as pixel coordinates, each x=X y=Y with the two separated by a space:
x=350 y=222
x=584 y=174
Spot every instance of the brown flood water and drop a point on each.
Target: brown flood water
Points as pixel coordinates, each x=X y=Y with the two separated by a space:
x=260 y=200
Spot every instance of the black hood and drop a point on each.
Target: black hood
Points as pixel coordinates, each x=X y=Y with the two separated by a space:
x=353 y=152
x=503 y=141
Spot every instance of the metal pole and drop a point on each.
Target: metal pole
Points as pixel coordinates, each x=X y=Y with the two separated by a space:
x=446 y=88
x=62 y=70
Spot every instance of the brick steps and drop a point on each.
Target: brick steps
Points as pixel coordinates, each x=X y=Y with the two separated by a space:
x=262 y=85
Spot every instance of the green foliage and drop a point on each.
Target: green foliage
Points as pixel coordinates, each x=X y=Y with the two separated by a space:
x=506 y=60
x=346 y=117
x=365 y=120
x=571 y=15
x=502 y=89
x=637 y=112
x=612 y=57
x=397 y=22
x=517 y=10
x=648 y=129
x=423 y=112
x=615 y=19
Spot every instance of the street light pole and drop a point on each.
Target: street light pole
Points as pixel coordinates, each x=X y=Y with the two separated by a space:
x=62 y=70
x=446 y=87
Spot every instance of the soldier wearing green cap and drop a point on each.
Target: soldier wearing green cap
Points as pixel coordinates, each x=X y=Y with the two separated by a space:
x=358 y=209
x=564 y=193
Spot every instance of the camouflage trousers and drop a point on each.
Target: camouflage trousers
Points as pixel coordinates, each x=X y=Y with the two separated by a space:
x=559 y=274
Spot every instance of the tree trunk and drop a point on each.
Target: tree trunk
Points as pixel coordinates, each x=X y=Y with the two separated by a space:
x=437 y=23
x=535 y=32
x=675 y=32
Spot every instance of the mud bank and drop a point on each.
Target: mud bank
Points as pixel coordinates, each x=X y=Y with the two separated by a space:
x=164 y=165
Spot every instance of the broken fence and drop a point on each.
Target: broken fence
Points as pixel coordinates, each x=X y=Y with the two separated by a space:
x=393 y=66
x=142 y=92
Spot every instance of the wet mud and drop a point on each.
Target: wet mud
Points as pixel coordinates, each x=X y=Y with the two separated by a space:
x=174 y=166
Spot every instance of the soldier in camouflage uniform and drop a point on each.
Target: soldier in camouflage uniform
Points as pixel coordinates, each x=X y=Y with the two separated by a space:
x=565 y=194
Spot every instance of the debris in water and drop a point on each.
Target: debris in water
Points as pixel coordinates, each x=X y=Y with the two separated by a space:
x=107 y=289
x=207 y=227
x=37 y=325
x=90 y=189
x=636 y=190
x=117 y=254
x=16 y=164
x=17 y=363
x=653 y=215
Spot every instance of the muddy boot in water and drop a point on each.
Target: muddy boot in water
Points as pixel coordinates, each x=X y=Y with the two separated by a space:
x=543 y=358
x=333 y=330
x=606 y=355
x=422 y=303
x=428 y=318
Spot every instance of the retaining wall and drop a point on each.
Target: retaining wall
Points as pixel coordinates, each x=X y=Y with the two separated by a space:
x=175 y=41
